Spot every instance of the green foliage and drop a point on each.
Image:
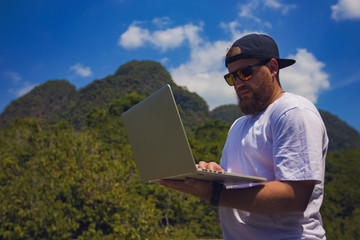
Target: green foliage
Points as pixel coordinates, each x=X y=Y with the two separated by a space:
x=76 y=178
x=341 y=208
x=228 y=113
x=40 y=102
x=58 y=100
x=340 y=134
x=117 y=107
x=193 y=109
x=208 y=140
x=57 y=183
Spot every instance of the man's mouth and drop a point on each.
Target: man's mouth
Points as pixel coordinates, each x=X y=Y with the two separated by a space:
x=243 y=92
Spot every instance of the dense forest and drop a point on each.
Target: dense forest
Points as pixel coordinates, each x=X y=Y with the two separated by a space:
x=67 y=170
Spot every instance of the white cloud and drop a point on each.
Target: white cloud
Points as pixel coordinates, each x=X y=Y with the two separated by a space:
x=164 y=60
x=231 y=27
x=162 y=22
x=22 y=87
x=191 y=33
x=13 y=76
x=306 y=77
x=276 y=4
x=134 y=37
x=27 y=88
x=167 y=39
x=252 y=8
x=354 y=78
x=203 y=72
x=346 y=9
x=209 y=85
x=247 y=10
x=234 y=28
x=81 y=70
x=170 y=38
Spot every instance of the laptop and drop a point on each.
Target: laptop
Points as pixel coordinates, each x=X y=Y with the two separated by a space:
x=160 y=145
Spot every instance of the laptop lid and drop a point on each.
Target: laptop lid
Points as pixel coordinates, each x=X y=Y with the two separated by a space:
x=160 y=145
x=157 y=137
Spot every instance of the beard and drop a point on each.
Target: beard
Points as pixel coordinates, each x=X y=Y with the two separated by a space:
x=258 y=102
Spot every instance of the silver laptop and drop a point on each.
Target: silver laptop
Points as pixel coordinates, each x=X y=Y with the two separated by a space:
x=160 y=146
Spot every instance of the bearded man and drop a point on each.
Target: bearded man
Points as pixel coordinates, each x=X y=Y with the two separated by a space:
x=281 y=137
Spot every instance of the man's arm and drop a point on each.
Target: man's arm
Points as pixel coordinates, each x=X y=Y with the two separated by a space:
x=271 y=197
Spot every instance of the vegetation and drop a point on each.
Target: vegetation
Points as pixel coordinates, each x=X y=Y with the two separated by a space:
x=341 y=208
x=69 y=172
x=41 y=102
x=227 y=113
x=58 y=100
x=341 y=135
x=59 y=184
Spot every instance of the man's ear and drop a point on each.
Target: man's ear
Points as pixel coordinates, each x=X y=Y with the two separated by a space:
x=273 y=66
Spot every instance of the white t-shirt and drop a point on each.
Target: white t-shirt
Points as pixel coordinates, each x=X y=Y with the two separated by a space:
x=287 y=141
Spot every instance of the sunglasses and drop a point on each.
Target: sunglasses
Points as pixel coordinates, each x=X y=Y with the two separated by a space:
x=244 y=74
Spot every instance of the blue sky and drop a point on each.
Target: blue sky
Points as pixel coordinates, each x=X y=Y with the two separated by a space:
x=82 y=41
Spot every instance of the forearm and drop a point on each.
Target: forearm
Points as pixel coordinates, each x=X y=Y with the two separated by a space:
x=272 y=197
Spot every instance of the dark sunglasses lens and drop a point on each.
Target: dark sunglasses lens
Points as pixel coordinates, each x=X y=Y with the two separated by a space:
x=245 y=74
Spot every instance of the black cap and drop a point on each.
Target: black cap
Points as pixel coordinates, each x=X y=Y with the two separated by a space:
x=258 y=46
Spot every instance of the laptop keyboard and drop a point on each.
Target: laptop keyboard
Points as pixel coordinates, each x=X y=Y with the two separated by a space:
x=208 y=170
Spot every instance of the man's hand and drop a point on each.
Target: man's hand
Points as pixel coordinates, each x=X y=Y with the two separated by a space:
x=211 y=166
x=201 y=189
x=198 y=188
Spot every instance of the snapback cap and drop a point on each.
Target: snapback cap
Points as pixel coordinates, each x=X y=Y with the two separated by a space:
x=258 y=46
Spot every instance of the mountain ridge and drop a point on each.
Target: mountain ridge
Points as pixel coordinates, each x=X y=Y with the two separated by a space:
x=57 y=100
x=140 y=77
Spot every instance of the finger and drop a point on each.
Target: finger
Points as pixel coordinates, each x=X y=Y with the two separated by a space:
x=214 y=166
x=203 y=164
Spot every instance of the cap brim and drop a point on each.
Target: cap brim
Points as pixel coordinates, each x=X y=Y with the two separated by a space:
x=283 y=63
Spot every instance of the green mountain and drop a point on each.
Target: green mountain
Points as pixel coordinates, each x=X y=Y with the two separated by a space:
x=58 y=182
x=41 y=102
x=59 y=100
x=341 y=135
x=228 y=113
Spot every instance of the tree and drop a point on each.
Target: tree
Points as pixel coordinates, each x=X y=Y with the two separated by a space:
x=341 y=206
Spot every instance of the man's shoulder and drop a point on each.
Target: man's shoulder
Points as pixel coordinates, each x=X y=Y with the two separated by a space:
x=293 y=101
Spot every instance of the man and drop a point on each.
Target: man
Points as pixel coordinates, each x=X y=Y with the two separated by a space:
x=282 y=138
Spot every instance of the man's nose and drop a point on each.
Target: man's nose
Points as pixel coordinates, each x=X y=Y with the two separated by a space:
x=238 y=82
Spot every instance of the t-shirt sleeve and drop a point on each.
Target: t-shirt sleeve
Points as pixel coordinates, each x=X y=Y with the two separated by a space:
x=298 y=145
